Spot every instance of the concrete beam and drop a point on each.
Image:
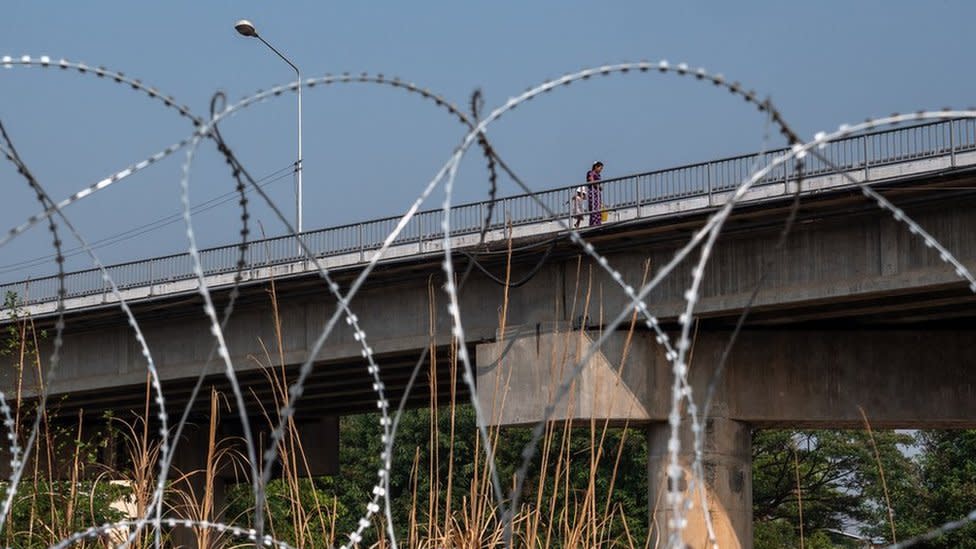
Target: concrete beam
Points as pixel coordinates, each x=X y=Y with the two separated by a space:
x=518 y=378
x=815 y=378
x=904 y=378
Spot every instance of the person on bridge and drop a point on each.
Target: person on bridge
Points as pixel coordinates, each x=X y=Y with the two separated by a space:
x=595 y=200
x=578 y=206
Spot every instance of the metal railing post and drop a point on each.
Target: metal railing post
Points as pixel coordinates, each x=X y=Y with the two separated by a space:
x=362 y=248
x=867 y=158
x=569 y=208
x=420 y=233
x=952 y=143
x=708 y=182
x=637 y=194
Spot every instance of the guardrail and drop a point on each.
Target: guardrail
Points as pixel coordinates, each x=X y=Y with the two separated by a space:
x=862 y=152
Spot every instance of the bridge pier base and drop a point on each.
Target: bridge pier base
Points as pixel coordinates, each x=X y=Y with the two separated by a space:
x=625 y=383
x=727 y=471
x=202 y=481
x=902 y=378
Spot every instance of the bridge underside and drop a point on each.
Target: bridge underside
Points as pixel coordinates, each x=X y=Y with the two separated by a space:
x=332 y=389
x=900 y=378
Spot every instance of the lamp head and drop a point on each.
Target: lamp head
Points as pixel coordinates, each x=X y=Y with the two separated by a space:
x=246 y=28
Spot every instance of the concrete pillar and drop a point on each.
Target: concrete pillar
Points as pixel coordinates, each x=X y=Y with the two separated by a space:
x=319 y=450
x=520 y=376
x=201 y=498
x=320 y=445
x=727 y=465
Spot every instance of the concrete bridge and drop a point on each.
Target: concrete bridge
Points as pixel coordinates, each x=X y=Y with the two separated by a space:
x=854 y=312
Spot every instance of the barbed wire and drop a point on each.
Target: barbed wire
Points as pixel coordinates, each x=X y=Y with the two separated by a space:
x=679 y=501
x=17 y=471
x=140 y=230
x=682 y=389
x=18 y=460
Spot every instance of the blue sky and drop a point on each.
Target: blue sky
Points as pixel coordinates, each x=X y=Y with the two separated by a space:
x=369 y=151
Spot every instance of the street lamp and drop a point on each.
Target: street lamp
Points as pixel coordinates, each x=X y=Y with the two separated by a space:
x=246 y=28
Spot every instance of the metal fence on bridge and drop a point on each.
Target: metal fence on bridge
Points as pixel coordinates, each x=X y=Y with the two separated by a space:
x=861 y=152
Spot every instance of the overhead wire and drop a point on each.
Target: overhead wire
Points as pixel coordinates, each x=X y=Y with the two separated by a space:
x=473 y=258
x=210 y=204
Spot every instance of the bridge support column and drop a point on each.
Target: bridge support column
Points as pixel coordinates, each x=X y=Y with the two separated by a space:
x=203 y=490
x=727 y=468
x=518 y=378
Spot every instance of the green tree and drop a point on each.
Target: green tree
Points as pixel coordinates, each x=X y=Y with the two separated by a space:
x=425 y=445
x=360 y=460
x=835 y=476
x=948 y=463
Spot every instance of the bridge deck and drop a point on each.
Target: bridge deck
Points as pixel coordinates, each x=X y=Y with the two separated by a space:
x=873 y=158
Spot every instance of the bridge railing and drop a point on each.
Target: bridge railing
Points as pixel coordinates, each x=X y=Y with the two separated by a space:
x=861 y=152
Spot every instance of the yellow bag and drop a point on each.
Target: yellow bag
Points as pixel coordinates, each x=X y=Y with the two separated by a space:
x=604 y=214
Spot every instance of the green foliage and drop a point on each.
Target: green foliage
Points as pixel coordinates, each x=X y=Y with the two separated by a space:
x=360 y=449
x=315 y=497
x=630 y=481
x=44 y=511
x=839 y=480
x=774 y=533
x=948 y=462
x=780 y=533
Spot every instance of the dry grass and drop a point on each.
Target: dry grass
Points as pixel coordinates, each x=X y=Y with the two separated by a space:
x=560 y=511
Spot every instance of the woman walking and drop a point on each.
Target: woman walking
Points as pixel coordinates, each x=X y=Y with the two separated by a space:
x=595 y=200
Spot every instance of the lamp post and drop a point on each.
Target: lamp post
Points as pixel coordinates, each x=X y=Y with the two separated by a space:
x=246 y=28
